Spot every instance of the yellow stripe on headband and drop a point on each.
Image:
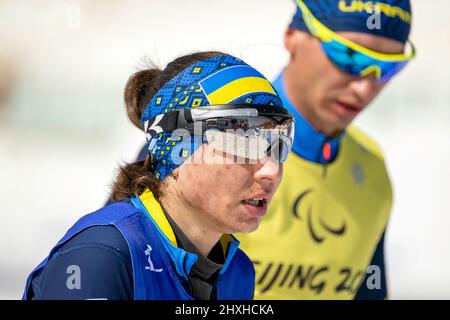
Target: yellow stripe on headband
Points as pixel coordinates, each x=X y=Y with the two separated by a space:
x=238 y=88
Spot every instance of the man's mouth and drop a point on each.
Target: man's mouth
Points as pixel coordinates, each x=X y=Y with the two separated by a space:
x=347 y=109
x=351 y=105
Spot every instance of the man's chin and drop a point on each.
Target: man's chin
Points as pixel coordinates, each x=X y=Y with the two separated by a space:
x=338 y=122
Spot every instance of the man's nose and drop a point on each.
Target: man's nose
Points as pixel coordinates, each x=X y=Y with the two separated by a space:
x=365 y=88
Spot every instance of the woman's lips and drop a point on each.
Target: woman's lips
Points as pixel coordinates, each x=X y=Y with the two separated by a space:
x=258 y=210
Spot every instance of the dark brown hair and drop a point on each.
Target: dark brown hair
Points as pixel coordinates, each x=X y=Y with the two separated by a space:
x=133 y=178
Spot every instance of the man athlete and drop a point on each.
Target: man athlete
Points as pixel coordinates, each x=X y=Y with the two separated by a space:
x=323 y=236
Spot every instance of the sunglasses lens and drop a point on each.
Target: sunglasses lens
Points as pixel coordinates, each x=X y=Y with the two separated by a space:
x=355 y=63
x=242 y=146
x=266 y=139
x=391 y=72
x=340 y=55
x=279 y=150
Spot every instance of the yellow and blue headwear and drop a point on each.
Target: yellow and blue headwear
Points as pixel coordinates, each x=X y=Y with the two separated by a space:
x=350 y=56
x=222 y=80
x=352 y=15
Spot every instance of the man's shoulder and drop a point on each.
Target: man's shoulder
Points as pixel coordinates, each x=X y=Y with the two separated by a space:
x=358 y=138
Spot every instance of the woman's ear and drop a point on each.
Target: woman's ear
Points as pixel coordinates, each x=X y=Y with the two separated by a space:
x=175 y=174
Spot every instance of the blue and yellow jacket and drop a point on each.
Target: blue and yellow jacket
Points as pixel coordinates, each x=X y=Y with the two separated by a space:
x=160 y=267
x=325 y=225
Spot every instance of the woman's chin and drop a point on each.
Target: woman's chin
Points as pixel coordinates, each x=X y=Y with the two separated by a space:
x=249 y=225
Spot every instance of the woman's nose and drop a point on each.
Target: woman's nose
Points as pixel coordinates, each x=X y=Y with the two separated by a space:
x=269 y=169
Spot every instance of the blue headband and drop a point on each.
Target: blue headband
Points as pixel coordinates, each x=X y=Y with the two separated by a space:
x=219 y=80
x=352 y=15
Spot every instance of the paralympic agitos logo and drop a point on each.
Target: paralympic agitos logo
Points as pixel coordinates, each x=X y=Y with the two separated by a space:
x=317 y=227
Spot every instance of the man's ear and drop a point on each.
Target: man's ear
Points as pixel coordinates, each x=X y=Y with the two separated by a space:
x=293 y=38
x=290 y=41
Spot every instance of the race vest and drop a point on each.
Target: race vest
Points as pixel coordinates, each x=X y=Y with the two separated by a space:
x=159 y=267
x=323 y=224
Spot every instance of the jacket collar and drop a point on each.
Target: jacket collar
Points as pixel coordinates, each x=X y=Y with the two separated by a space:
x=182 y=259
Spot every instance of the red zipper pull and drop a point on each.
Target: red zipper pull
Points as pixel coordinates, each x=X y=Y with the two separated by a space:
x=326 y=151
